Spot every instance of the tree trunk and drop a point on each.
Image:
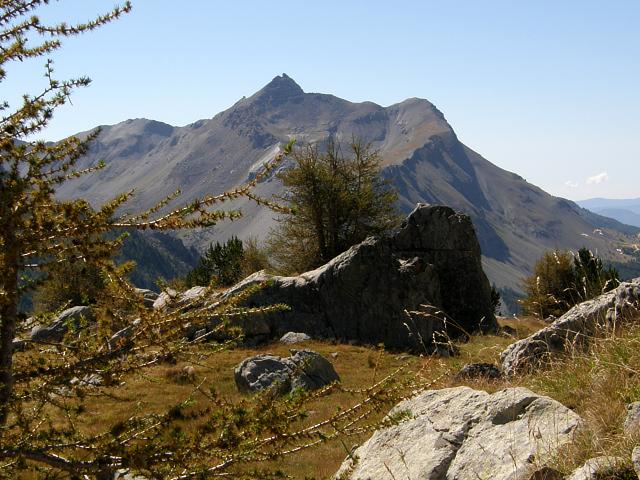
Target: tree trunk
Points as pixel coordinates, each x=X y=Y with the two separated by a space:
x=9 y=298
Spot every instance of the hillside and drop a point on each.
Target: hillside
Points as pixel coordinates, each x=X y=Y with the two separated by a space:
x=515 y=221
x=623 y=210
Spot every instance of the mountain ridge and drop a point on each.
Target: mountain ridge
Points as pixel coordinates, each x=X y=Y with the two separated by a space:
x=422 y=156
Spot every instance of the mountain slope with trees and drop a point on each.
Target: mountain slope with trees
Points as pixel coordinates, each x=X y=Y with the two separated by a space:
x=421 y=155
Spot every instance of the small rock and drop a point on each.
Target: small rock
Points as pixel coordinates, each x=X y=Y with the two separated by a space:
x=148 y=296
x=334 y=355
x=290 y=338
x=60 y=325
x=125 y=474
x=487 y=371
x=595 y=468
x=632 y=420
x=164 y=299
x=304 y=369
x=635 y=459
x=89 y=380
x=189 y=372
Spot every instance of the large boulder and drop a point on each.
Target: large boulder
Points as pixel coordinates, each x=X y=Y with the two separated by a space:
x=71 y=318
x=574 y=329
x=303 y=369
x=465 y=434
x=431 y=263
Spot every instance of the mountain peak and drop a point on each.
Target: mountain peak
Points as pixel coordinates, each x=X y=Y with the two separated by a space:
x=280 y=89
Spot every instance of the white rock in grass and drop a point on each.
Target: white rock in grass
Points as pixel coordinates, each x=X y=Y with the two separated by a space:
x=465 y=434
x=595 y=468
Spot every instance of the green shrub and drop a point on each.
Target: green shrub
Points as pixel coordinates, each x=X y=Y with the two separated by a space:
x=562 y=279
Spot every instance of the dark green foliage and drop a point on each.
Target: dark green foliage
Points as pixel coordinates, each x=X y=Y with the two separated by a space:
x=157 y=256
x=562 y=280
x=221 y=264
x=336 y=202
x=591 y=278
x=76 y=283
x=496 y=301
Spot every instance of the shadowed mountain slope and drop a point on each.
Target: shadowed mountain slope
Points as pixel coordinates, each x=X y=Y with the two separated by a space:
x=516 y=221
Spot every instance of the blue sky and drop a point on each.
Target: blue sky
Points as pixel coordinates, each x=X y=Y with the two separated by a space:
x=547 y=89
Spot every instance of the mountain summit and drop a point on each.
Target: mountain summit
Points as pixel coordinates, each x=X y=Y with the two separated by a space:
x=515 y=221
x=281 y=88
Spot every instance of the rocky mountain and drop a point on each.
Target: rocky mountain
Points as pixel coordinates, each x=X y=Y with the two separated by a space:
x=623 y=210
x=515 y=220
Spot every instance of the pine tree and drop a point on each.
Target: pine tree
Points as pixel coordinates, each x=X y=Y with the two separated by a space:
x=220 y=264
x=41 y=410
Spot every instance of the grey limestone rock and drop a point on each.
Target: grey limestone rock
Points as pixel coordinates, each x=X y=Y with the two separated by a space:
x=597 y=468
x=71 y=317
x=303 y=369
x=148 y=296
x=363 y=294
x=632 y=420
x=635 y=460
x=573 y=329
x=465 y=434
x=290 y=338
x=171 y=298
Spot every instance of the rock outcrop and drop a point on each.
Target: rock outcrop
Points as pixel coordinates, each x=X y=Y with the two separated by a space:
x=362 y=295
x=574 y=329
x=464 y=434
x=303 y=369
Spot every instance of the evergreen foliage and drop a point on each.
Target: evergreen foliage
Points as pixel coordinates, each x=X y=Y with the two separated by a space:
x=254 y=259
x=44 y=430
x=221 y=265
x=69 y=284
x=562 y=280
x=336 y=201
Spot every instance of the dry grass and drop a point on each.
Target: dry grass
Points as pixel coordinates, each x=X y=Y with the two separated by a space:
x=597 y=384
x=358 y=367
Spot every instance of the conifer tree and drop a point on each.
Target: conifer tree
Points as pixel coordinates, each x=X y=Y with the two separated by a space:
x=335 y=200
x=42 y=426
x=221 y=264
x=562 y=280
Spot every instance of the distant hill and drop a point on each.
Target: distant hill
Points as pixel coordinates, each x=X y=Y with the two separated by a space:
x=624 y=210
x=516 y=221
x=158 y=256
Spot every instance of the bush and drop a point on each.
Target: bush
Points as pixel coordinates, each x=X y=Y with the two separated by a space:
x=562 y=280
